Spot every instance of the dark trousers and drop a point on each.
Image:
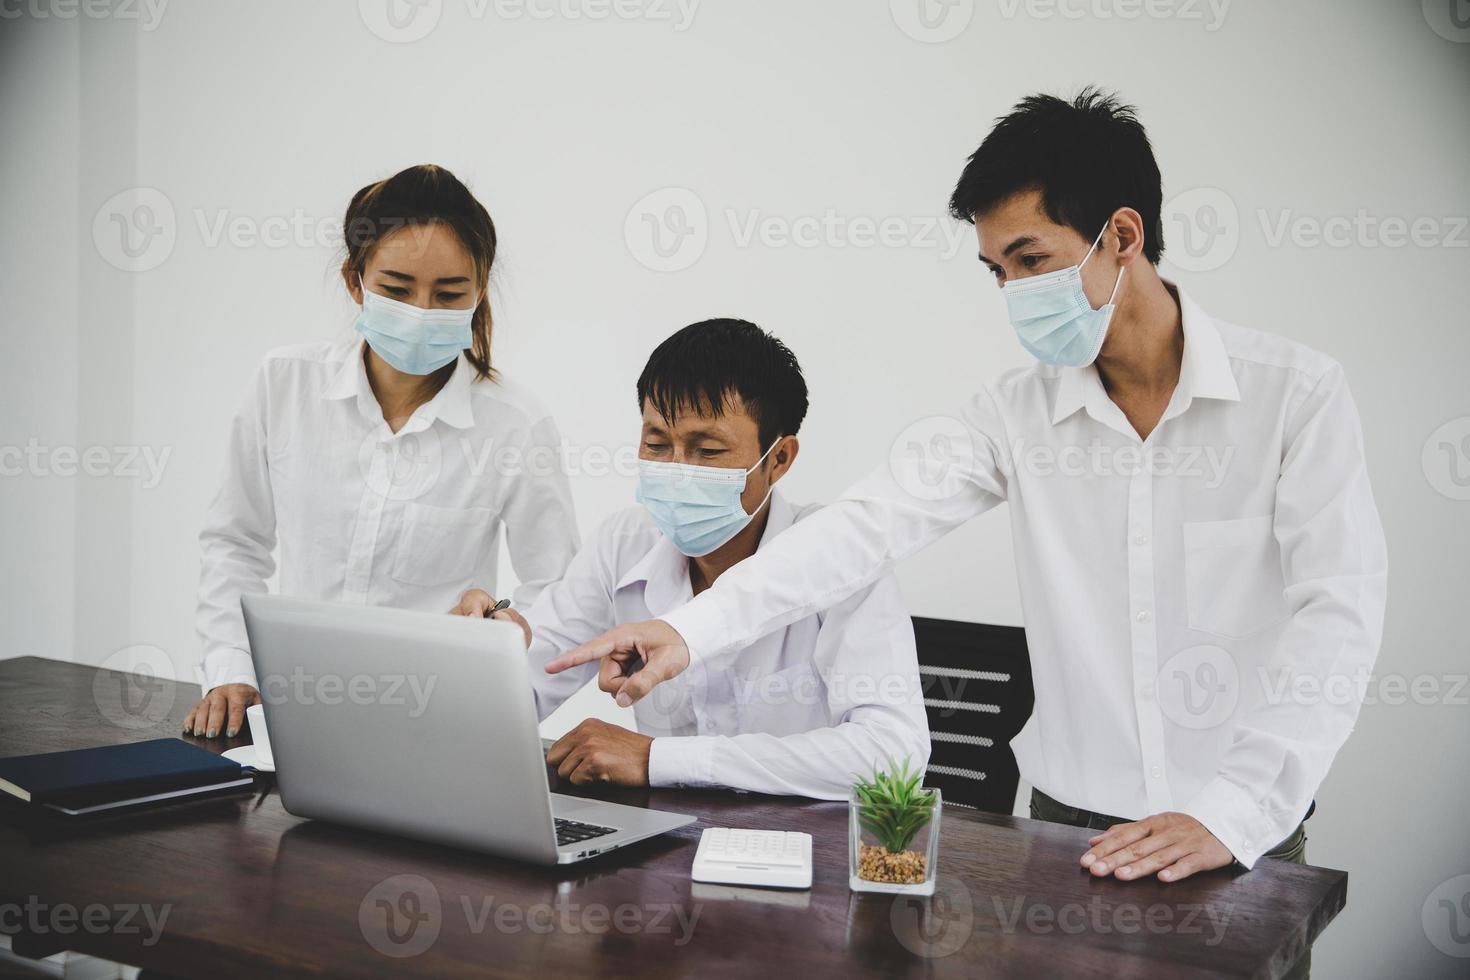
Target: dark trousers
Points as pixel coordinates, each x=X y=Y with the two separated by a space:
x=1293 y=849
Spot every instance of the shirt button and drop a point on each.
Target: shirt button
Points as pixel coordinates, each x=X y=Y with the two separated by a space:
x=1144 y=616
x=1140 y=539
x=1156 y=772
x=1147 y=690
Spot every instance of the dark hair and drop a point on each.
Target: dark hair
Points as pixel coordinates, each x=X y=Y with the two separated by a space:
x=699 y=368
x=425 y=195
x=1088 y=158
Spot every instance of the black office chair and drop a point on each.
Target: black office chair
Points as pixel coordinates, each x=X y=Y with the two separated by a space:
x=978 y=695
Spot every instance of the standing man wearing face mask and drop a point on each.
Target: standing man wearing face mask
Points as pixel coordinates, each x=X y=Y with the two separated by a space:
x=1193 y=525
x=808 y=705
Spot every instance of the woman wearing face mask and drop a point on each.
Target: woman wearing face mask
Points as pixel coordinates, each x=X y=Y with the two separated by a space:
x=384 y=467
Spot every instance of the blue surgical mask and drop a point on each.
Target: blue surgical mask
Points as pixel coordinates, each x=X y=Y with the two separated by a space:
x=412 y=339
x=1054 y=320
x=697 y=507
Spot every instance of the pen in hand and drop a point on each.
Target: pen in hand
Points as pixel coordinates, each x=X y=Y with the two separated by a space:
x=477 y=603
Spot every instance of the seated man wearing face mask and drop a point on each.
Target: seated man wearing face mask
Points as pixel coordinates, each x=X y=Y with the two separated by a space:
x=810 y=705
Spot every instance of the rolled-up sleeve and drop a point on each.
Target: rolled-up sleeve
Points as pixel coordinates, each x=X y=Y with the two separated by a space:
x=1335 y=568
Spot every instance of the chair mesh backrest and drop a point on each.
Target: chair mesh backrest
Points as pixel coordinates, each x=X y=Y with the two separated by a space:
x=977 y=694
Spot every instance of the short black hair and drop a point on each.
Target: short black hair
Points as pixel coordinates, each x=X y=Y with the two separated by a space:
x=701 y=366
x=1088 y=158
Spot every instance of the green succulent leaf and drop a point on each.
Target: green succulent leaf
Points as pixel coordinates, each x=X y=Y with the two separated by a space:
x=893 y=807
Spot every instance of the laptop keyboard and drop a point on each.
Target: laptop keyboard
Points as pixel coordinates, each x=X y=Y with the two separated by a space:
x=572 y=832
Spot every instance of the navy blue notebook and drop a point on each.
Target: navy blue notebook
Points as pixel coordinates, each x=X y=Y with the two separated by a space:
x=86 y=780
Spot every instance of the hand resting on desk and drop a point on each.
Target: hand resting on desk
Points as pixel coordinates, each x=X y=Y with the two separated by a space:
x=1175 y=845
x=221 y=711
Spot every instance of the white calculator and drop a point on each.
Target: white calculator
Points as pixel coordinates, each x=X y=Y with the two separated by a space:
x=765 y=858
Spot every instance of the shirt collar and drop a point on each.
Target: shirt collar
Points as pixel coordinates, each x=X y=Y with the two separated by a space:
x=451 y=405
x=1072 y=385
x=664 y=569
x=1204 y=371
x=351 y=375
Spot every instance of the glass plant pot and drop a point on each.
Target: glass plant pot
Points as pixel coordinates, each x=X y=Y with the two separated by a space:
x=873 y=867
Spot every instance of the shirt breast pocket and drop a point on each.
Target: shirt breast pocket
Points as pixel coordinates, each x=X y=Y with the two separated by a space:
x=1232 y=576
x=440 y=544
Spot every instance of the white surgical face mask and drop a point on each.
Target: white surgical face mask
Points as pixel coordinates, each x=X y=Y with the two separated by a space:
x=697 y=507
x=412 y=339
x=1052 y=317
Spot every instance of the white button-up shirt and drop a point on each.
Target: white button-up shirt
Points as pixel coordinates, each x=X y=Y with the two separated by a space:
x=365 y=515
x=1203 y=607
x=803 y=710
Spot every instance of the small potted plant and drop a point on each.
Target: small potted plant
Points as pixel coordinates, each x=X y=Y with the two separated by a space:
x=893 y=843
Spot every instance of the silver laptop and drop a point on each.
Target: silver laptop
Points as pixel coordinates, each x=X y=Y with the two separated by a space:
x=422 y=725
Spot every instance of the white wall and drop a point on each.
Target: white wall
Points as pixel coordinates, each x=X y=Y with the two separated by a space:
x=38 y=321
x=269 y=111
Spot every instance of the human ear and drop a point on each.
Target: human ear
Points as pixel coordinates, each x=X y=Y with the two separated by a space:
x=783 y=456
x=353 y=282
x=1127 y=227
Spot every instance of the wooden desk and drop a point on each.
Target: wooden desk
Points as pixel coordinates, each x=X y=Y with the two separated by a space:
x=246 y=887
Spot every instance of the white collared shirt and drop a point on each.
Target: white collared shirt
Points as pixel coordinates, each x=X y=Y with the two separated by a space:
x=368 y=516
x=1202 y=607
x=804 y=709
